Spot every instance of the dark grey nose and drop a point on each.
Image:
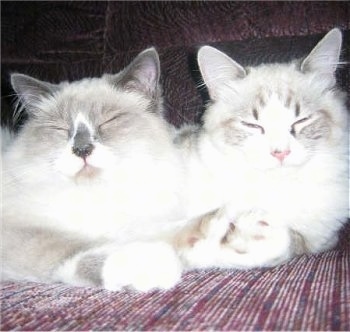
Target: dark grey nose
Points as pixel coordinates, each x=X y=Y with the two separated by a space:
x=82 y=145
x=83 y=151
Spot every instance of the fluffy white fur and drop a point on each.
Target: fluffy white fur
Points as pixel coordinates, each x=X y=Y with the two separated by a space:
x=273 y=148
x=127 y=189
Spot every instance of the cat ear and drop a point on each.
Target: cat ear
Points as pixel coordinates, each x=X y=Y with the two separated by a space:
x=30 y=90
x=217 y=69
x=324 y=58
x=142 y=74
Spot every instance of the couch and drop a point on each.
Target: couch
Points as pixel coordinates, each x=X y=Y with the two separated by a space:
x=67 y=40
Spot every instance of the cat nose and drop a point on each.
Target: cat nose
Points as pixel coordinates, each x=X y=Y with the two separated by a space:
x=280 y=155
x=83 y=151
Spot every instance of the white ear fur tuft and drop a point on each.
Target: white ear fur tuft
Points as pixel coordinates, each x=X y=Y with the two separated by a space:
x=217 y=69
x=324 y=58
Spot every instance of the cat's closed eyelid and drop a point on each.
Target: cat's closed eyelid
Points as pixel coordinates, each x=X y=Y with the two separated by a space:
x=302 y=120
x=298 y=122
x=254 y=126
x=59 y=128
x=113 y=118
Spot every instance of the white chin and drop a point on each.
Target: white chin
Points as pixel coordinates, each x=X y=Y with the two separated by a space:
x=266 y=164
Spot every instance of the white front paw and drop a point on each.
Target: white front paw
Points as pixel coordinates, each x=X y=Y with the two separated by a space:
x=142 y=266
x=252 y=239
x=259 y=238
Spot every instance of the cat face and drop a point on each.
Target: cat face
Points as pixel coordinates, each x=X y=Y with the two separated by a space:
x=277 y=114
x=85 y=127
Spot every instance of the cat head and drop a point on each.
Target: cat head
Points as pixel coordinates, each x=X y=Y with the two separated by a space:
x=83 y=127
x=277 y=114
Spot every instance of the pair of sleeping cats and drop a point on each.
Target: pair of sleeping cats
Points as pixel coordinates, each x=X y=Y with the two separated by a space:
x=99 y=190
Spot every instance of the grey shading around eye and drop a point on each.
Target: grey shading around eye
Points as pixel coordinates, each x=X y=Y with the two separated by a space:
x=296 y=123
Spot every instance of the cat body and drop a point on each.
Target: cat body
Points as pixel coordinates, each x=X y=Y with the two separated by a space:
x=91 y=173
x=273 y=149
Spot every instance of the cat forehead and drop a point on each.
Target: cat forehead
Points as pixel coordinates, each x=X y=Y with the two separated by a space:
x=274 y=69
x=274 y=77
x=275 y=84
x=92 y=89
x=276 y=107
x=284 y=96
x=264 y=101
x=93 y=98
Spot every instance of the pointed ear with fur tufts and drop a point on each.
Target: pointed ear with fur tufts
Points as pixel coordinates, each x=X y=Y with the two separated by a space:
x=30 y=90
x=324 y=58
x=142 y=74
x=217 y=69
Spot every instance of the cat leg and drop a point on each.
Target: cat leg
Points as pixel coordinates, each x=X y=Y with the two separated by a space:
x=251 y=239
x=138 y=265
x=46 y=255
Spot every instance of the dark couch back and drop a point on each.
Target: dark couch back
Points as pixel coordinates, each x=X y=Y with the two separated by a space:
x=62 y=40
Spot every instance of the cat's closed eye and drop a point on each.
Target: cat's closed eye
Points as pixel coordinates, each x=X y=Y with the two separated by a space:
x=254 y=126
x=61 y=129
x=296 y=123
x=112 y=119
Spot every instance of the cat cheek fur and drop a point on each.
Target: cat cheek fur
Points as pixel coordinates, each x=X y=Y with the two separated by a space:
x=66 y=163
x=102 y=157
x=257 y=152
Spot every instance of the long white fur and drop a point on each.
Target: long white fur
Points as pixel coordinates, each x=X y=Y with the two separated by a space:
x=307 y=193
x=135 y=195
x=150 y=188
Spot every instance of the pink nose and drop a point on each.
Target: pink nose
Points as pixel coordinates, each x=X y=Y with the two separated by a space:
x=280 y=155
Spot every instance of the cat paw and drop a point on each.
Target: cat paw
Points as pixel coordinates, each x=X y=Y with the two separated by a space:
x=252 y=239
x=256 y=237
x=142 y=266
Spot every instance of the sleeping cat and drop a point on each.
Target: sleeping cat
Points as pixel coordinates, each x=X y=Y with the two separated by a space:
x=273 y=153
x=91 y=180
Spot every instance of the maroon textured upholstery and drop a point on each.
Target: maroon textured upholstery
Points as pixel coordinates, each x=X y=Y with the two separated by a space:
x=69 y=40
x=308 y=293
